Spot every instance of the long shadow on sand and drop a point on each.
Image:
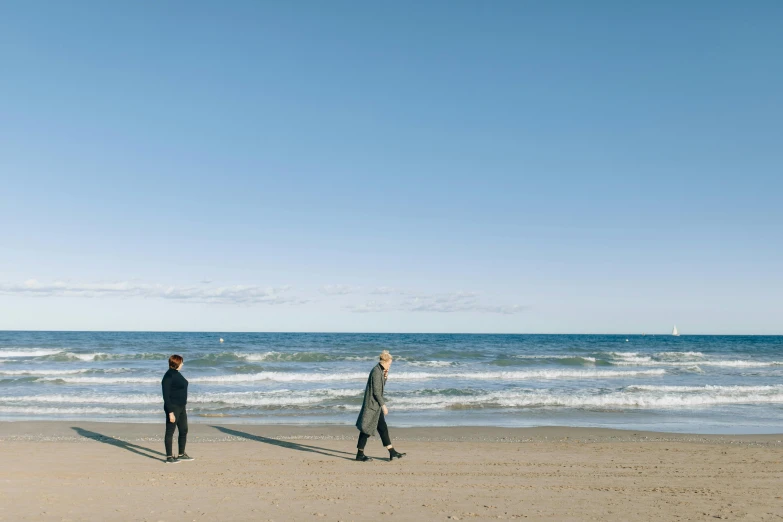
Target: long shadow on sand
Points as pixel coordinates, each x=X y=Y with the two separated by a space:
x=283 y=443
x=133 y=448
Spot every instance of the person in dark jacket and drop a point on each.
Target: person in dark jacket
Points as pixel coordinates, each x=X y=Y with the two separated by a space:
x=175 y=397
x=372 y=417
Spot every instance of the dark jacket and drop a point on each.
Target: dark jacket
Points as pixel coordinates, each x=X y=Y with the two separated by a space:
x=175 y=390
x=373 y=401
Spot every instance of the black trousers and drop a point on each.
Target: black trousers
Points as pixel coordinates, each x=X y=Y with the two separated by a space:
x=383 y=431
x=180 y=423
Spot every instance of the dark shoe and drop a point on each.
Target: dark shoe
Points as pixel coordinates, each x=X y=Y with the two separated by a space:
x=184 y=456
x=394 y=454
x=361 y=457
x=172 y=460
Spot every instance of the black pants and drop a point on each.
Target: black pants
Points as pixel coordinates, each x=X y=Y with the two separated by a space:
x=181 y=423
x=383 y=431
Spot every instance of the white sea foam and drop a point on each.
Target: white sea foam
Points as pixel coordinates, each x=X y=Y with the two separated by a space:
x=275 y=398
x=300 y=357
x=724 y=364
x=103 y=356
x=636 y=360
x=635 y=396
x=431 y=364
x=627 y=357
x=537 y=374
x=251 y=398
x=255 y=356
x=85 y=399
x=281 y=377
x=86 y=356
x=583 y=357
x=328 y=393
x=620 y=401
x=102 y=380
x=743 y=364
x=683 y=359
x=263 y=401
x=356 y=376
x=32 y=352
x=88 y=410
x=680 y=355
x=42 y=372
x=538 y=398
x=709 y=388
x=291 y=357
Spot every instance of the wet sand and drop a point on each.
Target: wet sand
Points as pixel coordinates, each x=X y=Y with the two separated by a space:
x=113 y=471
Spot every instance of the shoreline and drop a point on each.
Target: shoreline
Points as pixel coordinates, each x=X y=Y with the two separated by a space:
x=64 y=431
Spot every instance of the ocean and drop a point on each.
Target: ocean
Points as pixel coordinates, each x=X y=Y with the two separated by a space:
x=697 y=384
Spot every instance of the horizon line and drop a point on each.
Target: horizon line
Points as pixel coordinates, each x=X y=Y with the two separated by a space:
x=643 y=334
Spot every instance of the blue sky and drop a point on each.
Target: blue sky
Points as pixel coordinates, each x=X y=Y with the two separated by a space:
x=415 y=166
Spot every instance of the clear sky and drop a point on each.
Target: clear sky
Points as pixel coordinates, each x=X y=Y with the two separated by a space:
x=397 y=167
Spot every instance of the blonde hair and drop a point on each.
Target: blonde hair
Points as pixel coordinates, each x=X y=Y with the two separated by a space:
x=385 y=356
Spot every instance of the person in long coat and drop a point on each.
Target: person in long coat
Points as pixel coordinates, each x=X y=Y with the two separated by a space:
x=372 y=417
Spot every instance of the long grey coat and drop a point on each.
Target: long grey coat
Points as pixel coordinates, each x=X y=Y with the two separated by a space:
x=373 y=401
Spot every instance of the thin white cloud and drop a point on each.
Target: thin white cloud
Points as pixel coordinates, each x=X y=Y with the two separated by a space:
x=438 y=303
x=370 y=307
x=339 y=289
x=394 y=300
x=383 y=290
x=236 y=294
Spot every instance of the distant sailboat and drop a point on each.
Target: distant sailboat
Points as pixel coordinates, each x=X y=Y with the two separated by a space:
x=675 y=333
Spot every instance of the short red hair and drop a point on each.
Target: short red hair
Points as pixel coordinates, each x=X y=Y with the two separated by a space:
x=174 y=361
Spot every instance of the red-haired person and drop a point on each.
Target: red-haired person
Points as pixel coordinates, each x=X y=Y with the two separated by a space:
x=175 y=397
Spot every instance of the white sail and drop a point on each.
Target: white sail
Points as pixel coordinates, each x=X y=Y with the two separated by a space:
x=675 y=332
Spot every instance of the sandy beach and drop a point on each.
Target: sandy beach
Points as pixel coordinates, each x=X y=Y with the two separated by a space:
x=111 y=471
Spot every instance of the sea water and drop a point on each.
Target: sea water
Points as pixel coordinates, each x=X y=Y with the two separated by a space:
x=700 y=384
